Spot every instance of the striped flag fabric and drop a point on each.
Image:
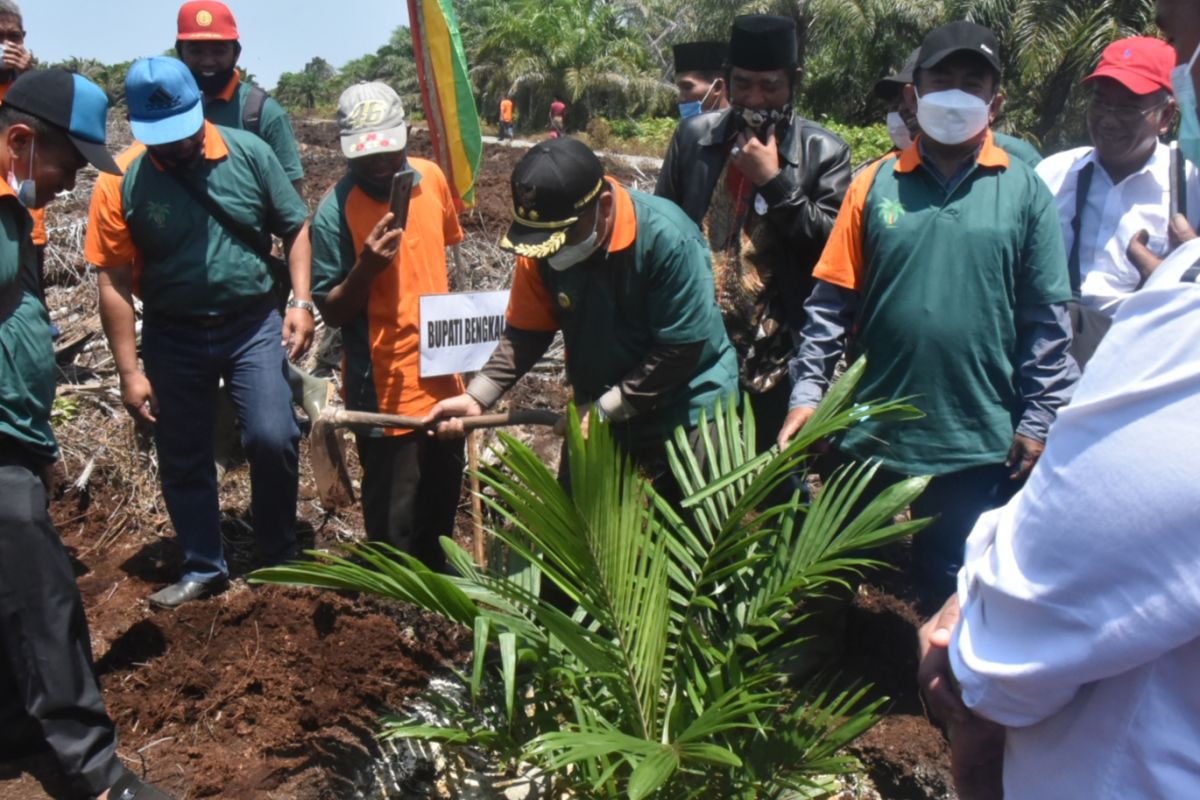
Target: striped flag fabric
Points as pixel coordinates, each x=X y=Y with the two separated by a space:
x=446 y=94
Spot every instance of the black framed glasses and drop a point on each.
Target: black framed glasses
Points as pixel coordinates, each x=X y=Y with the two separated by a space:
x=1129 y=115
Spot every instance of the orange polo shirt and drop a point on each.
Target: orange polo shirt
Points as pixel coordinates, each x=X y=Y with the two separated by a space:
x=506 y=110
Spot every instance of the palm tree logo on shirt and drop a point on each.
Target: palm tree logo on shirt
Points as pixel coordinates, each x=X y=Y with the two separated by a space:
x=158 y=213
x=890 y=212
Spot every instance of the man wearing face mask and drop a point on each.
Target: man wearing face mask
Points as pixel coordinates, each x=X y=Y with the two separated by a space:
x=203 y=270
x=1121 y=185
x=765 y=186
x=627 y=279
x=368 y=277
x=207 y=41
x=1065 y=663
x=52 y=124
x=947 y=261
x=15 y=61
x=700 y=77
x=903 y=126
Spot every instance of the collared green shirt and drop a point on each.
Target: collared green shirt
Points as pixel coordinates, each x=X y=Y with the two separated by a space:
x=26 y=349
x=275 y=128
x=186 y=261
x=941 y=277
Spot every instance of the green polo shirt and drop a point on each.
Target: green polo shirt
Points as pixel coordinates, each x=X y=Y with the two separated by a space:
x=186 y=261
x=26 y=351
x=941 y=276
x=1019 y=148
x=228 y=111
x=653 y=286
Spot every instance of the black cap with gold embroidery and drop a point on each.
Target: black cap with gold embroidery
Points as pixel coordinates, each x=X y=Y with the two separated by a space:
x=552 y=186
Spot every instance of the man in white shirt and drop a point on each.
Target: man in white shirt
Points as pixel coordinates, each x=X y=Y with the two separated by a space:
x=1072 y=666
x=1125 y=175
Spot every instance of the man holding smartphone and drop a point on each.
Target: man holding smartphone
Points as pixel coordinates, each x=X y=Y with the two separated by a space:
x=379 y=243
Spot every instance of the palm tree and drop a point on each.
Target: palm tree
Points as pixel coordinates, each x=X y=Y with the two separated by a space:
x=664 y=670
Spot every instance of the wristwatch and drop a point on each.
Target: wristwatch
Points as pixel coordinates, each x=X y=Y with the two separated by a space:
x=306 y=305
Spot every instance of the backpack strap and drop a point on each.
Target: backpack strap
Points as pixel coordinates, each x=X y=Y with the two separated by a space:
x=252 y=111
x=1082 y=186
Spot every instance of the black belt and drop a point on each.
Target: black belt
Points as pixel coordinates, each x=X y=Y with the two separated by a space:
x=259 y=305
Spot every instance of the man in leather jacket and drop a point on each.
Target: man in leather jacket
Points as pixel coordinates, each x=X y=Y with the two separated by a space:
x=765 y=186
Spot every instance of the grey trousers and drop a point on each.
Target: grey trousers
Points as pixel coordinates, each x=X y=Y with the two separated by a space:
x=48 y=689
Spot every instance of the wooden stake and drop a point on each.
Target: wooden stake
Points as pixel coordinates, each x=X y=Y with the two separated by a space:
x=477 y=538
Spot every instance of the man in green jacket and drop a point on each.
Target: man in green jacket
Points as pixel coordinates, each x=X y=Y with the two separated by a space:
x=52 y=124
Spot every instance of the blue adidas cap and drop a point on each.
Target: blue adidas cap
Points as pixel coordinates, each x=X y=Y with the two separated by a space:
x=165 y=105
x=70 y=102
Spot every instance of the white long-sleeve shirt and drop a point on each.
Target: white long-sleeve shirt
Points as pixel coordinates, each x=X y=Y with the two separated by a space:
x=1113 y=215
x=1080 y=599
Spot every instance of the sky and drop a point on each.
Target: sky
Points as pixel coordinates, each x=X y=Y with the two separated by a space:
x=277 y=35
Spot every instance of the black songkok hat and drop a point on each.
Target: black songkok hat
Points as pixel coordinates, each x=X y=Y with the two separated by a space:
x=700 y=56
x=761 y=42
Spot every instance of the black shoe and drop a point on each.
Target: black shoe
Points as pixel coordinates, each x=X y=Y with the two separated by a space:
x=128 y=787
x=182 y=592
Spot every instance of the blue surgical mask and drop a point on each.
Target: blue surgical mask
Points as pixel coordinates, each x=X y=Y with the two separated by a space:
x=26 y=190
x=1185 y=96
x=695 y=107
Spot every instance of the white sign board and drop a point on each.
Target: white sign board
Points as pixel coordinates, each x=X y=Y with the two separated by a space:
x=460 y=331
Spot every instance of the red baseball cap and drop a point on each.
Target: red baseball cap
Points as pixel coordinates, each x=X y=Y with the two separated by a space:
x=206 y=20
x=1140 y=64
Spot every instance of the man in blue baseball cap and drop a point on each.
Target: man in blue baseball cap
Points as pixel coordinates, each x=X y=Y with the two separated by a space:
x=188 y=227
x=52 y=124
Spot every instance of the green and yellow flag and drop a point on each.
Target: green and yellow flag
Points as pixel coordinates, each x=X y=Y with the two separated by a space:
x=446 y=94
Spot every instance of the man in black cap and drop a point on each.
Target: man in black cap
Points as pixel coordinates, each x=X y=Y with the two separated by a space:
x=765 y=186
x=700 y=77
x=626 y=277
x=947 y=262
x=52 y=124
x=903 y=126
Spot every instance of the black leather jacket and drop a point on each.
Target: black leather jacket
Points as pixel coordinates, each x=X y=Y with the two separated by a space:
x=803 y=199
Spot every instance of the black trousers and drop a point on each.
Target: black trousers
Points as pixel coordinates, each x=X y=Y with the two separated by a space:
x=48 y=689
x=410 y=491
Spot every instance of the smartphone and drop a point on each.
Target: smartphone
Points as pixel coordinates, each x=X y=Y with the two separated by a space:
x=402 y=184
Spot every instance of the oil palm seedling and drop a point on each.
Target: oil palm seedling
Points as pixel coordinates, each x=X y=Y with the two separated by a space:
x=660 y=667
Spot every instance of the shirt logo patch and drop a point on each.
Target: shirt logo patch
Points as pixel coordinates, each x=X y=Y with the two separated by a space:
x=158 y=213
x=890 y=212
x=564 y=301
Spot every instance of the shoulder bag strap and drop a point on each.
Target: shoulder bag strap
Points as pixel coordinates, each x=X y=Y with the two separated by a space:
x=1082 y=186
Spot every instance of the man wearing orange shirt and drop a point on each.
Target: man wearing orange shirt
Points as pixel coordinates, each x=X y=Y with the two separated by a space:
x=207 y=41
x=367 y=279
x=506 y=118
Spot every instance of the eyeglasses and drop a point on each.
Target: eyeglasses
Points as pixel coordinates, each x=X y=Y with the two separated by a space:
x=16 y=37
x=1127 y=114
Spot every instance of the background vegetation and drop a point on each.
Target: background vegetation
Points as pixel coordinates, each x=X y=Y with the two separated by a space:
x=610 y=60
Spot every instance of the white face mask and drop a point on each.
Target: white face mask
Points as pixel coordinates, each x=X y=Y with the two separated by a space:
x=898 y=130
x=1185 y=95
x=569 y=255
x=26 y=190
x=953 y=116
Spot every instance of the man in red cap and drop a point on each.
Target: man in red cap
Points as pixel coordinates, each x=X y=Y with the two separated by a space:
x=1122 y=184
x=207 y=41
